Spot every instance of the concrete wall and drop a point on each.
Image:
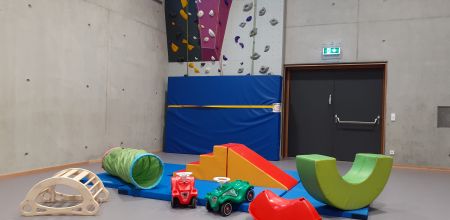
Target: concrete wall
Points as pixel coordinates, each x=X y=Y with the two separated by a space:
x=78 y=76
x=413 y=36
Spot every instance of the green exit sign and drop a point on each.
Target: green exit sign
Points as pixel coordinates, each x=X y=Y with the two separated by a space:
x=331 y=51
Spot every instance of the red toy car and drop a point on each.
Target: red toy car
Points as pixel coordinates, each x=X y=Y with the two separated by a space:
x=267 y=206
x=183 y=191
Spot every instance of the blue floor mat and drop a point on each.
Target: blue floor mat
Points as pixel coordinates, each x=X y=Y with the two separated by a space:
x=163 y=192
x=300 y=191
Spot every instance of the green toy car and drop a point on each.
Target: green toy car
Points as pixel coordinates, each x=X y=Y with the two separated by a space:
x=228 y=193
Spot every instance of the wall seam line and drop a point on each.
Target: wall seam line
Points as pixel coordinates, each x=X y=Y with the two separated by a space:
x=367 y=22
x=121 y=14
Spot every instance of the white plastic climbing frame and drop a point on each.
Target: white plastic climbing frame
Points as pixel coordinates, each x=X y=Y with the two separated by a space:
x=91 y=193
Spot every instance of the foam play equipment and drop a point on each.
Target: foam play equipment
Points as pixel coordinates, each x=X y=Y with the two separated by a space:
x=356 y=189
x=43 y=199
x=138 y=167
x=237 y=161
x=210 y=165
x=268 y=205
x=163 y=192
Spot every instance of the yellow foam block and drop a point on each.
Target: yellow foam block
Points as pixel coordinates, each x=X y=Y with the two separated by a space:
x=240 y=168
x=210 y=165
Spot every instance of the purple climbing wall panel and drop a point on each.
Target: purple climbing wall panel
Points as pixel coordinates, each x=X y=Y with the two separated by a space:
x=247 y=38
x=212 y=26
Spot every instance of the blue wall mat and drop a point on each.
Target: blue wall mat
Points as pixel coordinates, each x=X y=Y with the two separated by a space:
x=196 y=131
x=224 y=90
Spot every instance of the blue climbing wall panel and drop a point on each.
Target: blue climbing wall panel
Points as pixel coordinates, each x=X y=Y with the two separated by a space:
x=197 y=130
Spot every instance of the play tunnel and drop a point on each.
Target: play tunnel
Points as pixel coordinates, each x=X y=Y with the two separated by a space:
x=138 y=167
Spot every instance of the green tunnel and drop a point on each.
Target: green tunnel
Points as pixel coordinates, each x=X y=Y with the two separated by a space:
x=357 y=189
x=138 y=167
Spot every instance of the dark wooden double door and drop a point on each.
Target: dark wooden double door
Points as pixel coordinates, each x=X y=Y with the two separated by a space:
x=335 y=112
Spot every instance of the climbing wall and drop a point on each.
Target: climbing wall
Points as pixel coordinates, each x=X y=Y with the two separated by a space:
x=269 y=37
x=195 y=29
x=224 y=37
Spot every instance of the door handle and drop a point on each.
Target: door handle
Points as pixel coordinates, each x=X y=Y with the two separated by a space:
x=376 y=121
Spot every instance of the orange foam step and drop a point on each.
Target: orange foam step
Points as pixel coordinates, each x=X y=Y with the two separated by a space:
x=210 y=165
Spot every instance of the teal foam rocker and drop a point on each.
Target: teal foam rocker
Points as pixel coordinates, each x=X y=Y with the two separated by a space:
x=357 y=189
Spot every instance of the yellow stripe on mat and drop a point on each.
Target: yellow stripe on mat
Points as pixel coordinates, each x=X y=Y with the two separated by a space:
x=221 y=106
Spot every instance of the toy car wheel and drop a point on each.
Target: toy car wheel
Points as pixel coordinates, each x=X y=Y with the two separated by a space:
x=208 y=207
x=174 y=202
x=193 y=204
x=250 y=195
x=226 y=209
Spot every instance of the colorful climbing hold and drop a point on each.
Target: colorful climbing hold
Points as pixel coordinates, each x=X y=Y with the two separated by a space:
x=236 y=39
x=211 y=33
x=255 y=56
x=263 y=69
x=200 y=13
x=242 y=24
x=174 y=47
x=184 y=3
x=248 y=7
x=267 y=48
x=207 y=70
x=206 y=39
x=190 y=47
x=191 y=65
x=211 y=13
x=242 y=63
x=273 y=21
x=242 y=45
x=262 y=12
x=196 y=70
x=253 y=32
x=213 y=58
x=194 y=37
x=240 y=70
x=224 y=57
x=183 y=14
x=249 y=18
x=202 y=64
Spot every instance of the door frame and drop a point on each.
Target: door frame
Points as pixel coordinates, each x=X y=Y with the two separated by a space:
x=290 y=68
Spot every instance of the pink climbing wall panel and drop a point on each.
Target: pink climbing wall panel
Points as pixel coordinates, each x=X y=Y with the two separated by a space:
x=212 y=26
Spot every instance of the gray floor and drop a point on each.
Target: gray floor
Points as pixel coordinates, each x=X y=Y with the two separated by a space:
x=408 y=195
